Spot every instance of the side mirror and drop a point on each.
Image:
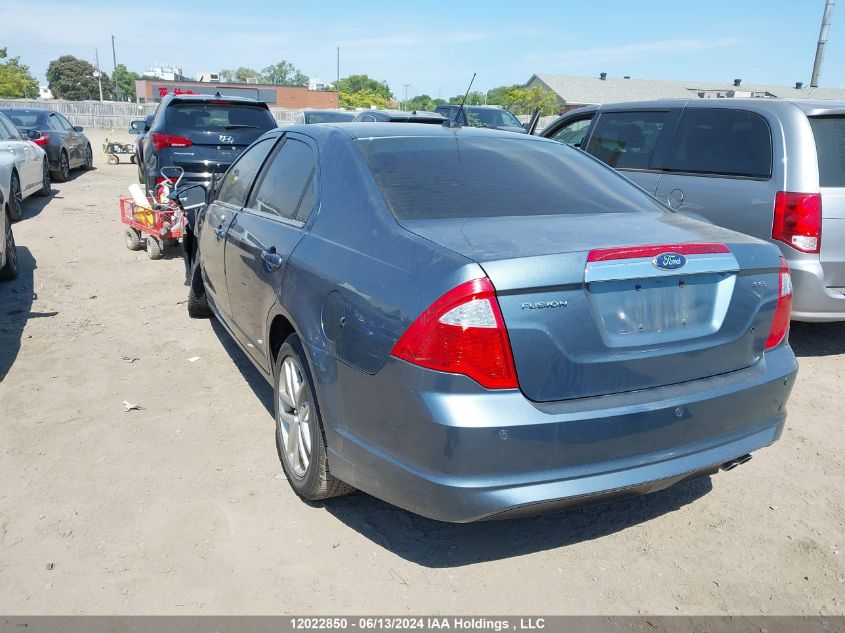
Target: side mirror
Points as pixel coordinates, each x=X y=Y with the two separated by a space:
x=77 y=128
x=191 y=197
x=148 y=122
x=33 y=135
x=136 y=127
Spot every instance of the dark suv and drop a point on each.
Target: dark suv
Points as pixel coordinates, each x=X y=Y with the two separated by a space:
x=202 y=134
x=494 y=117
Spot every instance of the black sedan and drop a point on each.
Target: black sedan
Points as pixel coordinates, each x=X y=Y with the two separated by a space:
x=66 y=146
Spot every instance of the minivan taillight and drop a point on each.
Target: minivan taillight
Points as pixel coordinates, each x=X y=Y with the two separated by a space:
x=463 y=333
x=780 y=323
x=798 y=220
x=161 y=141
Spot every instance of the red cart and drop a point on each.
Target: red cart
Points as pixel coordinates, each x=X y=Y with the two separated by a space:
x=159 y=222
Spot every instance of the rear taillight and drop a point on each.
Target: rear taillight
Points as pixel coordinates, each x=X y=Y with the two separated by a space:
x=780 y=323
x=798 y=220
x=161 y=141
x=463 y=333
x=42 y=140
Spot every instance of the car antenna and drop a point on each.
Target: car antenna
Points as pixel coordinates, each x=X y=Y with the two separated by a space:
x=454 y=122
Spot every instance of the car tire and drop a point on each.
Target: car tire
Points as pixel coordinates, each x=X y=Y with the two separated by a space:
x=45 y=181
x=15 y=198
x=88 y=165
x=10 y=268
x=300 y=438
x=197 y=299
x=154 y=247
x=62 y=174
x=133 y=239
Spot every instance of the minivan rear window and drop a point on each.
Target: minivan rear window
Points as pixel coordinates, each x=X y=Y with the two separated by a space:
x=206 y=117
x=721 y=142
x=474 y=177
x=830 y=147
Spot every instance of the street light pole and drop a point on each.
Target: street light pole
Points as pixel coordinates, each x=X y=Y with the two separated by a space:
x=406 y=96
x=114 y=62
x=99 y=74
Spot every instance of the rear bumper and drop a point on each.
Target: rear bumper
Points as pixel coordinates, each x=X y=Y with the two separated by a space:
x=441 y=446
x=812 y=301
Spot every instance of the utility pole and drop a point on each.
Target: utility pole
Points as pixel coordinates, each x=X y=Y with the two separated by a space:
x=338 y=68
x=114 y=62
x=817 y=64
x=406 y=95
x=99 y=74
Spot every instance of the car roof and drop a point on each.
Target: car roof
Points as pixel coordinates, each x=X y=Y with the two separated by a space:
x=404 y=113
x=811 y=107
x=26 y=110
x=215 y=97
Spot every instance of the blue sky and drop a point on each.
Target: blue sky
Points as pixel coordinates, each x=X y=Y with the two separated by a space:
x=436 y=46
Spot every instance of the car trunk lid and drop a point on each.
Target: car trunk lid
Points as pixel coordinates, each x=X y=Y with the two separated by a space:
x=588 y=314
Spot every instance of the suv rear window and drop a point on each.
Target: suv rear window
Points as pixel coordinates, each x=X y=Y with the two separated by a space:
x=721 y=142
x=217 y=117
x=475 y=177
x=830 y=147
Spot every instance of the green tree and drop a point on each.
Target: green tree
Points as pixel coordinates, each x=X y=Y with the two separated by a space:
x=73 y=79
x=284 y=74
x=498 y=95
x=362 y=99
x=526 y=100
x=473 y=98
x=420 y=102
x=15 y=79
x=124 y=81
x=358 y=83
x=239 y=75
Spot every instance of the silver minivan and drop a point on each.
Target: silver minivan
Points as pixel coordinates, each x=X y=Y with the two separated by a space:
x=770 y=168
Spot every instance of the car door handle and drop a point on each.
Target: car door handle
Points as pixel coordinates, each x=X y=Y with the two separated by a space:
x=272 y=260
x=219 y=232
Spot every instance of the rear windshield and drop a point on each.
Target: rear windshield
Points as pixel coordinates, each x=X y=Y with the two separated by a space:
x=207 y=117
x=830 y=146
x=490 y=117
x=22 y=119
x=329 y=117
x=471 y=177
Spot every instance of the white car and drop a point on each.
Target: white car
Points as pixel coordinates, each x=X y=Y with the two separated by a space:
x=26 y=174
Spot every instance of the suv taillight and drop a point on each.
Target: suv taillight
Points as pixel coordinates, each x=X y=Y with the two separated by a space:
x=798 y=220
x=161 y=141
x=780 y=322
x=463 y=333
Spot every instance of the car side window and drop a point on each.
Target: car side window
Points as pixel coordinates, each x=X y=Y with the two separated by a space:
x=286 y=187
x=55 y=123
x=573 y=133
x=369 y=118
x=5 y=135
x=626 y=140
x=238 y=180
x=724 y=142
x=64 y=122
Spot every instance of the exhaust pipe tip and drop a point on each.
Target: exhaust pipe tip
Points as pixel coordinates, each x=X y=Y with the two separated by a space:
x=733 y=463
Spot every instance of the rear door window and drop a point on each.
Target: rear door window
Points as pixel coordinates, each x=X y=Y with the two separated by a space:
x=626 y=140
x=285 y=188
x=236 y=185
x=830 y=147
x=721 y=142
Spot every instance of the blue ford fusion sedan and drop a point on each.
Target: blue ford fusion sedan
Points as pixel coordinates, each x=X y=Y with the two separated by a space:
x=474 y=324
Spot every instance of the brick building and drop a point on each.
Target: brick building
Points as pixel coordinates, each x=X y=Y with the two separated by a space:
x=151 y=90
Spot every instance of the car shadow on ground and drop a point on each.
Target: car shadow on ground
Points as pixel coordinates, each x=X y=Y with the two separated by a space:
x=442 y=545
x=16 y=299
x=817 y=339
x=262 y=390
x=34 y=205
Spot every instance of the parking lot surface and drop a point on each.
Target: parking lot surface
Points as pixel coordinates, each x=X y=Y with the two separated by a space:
x=180 y=507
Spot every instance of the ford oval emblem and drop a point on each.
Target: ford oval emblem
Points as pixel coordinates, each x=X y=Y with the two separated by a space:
x=669 y=261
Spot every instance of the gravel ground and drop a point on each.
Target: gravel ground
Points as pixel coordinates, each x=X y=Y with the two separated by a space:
x=181 y=508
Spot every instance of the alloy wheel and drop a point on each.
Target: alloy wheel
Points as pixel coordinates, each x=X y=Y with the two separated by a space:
x=296 y=415
x=64 y=166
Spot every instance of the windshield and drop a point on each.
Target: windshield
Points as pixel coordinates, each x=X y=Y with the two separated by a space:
x=328 y=117
x=491 y=117
x=469 y=177
x=208 y=117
